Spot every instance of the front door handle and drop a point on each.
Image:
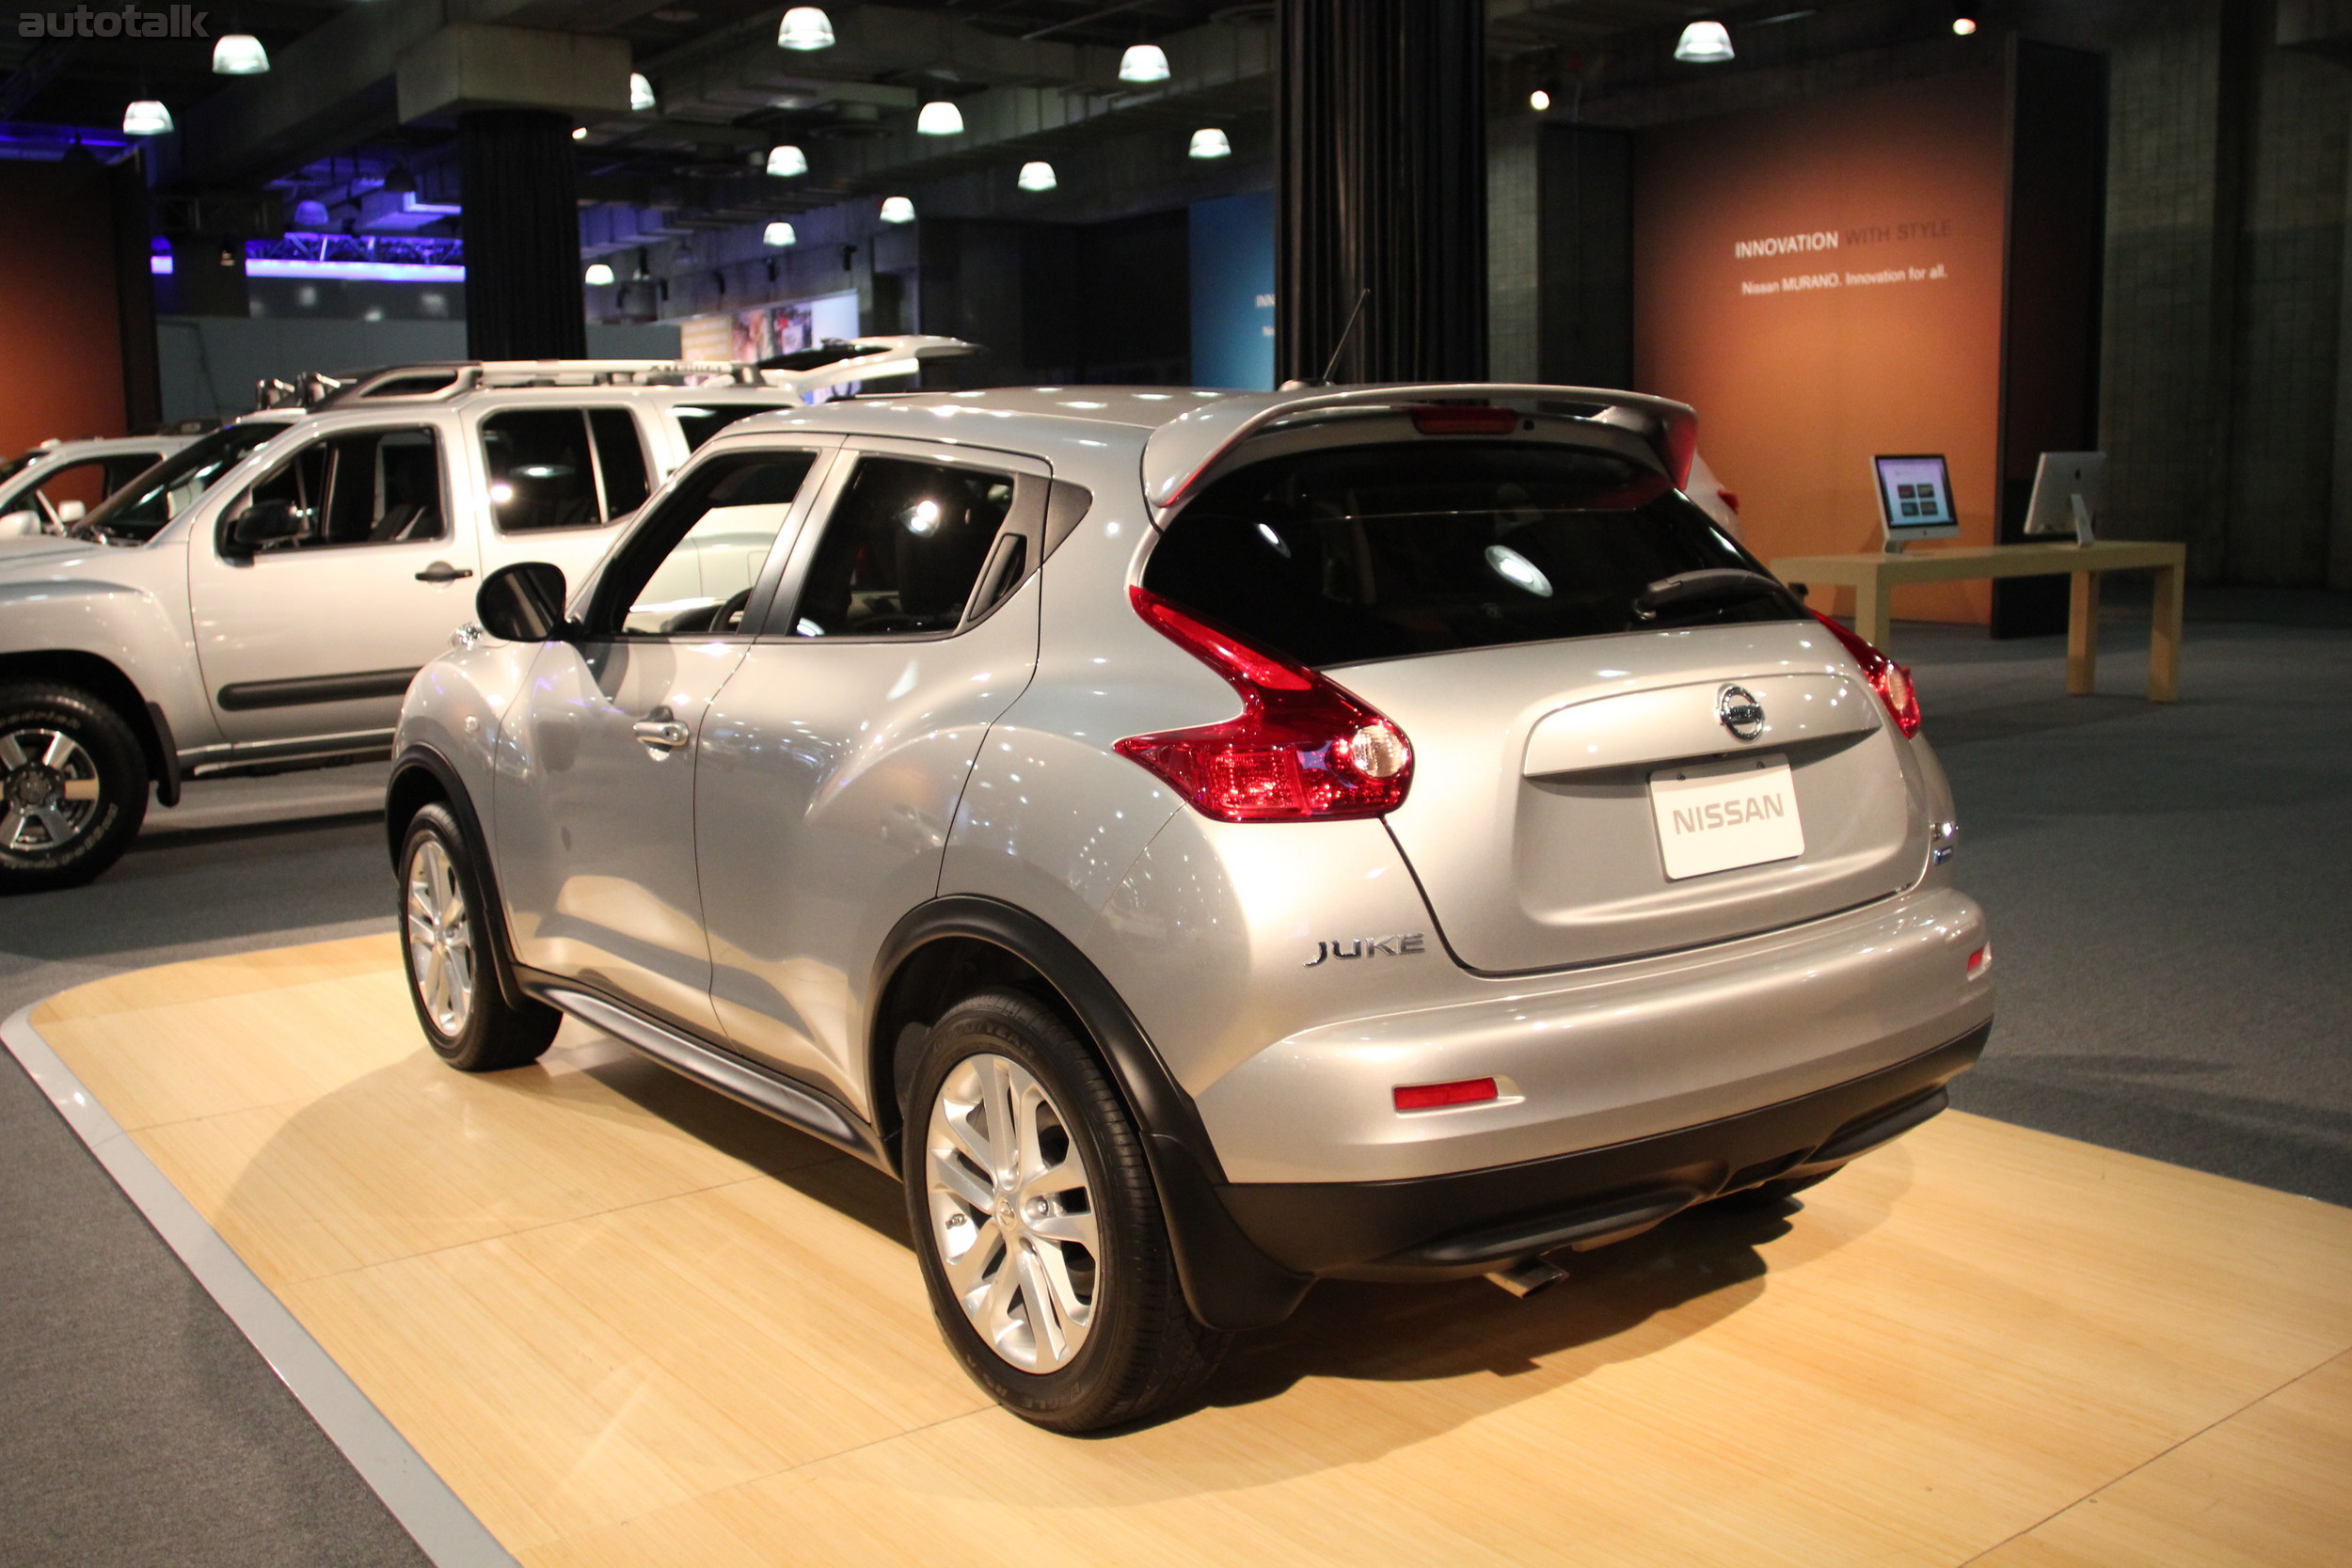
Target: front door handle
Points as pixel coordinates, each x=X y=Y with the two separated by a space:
x=441 y=571
x=662 y=734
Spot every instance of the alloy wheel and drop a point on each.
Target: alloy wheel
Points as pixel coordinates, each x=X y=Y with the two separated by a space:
x=440 y=938
x=1012 y=1214
x=49 y=789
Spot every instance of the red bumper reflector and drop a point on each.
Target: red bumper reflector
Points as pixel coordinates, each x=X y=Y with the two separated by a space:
x=1979 y=961
x=1429 y=1096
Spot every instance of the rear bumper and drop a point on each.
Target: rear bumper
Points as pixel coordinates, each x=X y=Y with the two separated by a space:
x=1471 y=1221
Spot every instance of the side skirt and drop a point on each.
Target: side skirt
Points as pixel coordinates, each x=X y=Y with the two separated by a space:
x=801 y=1105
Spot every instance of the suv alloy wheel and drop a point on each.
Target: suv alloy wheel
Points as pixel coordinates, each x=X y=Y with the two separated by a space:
x=1037 y=1226
x=72 y=787
x=445 y=949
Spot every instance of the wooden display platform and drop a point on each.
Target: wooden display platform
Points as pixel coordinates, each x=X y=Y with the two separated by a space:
x=632 y=1323
x=1874 y=576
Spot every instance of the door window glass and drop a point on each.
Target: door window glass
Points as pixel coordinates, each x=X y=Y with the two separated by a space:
x=541 y=476
x=137 y=512
x=87 y=483
x=691 y=568
x=620 y=460
x=369 y=487
x=902 y=550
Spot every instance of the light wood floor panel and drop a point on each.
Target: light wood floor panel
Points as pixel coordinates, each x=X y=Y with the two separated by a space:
x=634 y=1324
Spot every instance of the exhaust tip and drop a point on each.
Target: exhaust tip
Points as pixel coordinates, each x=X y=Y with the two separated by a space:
x=1526 y=1277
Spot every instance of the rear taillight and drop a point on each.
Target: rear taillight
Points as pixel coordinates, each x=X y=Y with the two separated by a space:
x=1302 y=749
x=1890 y=680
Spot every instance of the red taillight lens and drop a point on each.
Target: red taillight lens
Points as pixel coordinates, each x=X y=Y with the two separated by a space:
x=1430 y=1097
x=1464 y=419
x=1301 y=749
x=1890 y=680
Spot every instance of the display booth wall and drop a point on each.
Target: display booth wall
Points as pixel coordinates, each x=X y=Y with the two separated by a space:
x=61 y=335
x=1823 y=282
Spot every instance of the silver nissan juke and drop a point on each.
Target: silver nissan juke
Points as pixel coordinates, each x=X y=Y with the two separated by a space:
x=1203 y=843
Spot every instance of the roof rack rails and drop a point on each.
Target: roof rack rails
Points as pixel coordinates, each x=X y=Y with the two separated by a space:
x=809 y=370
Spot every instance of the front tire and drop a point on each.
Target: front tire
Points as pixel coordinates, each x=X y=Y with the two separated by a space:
x=1039 y=1226
x=445 y=948
x=73 y=786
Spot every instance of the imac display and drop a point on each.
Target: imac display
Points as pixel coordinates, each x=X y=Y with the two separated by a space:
x=1915 y=498
x=2067 y=489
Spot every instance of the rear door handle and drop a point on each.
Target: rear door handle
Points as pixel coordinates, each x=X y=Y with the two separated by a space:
x=662 y=735
x=441 y=571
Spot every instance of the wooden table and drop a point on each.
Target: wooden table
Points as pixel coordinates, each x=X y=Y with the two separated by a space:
x=1874 y=576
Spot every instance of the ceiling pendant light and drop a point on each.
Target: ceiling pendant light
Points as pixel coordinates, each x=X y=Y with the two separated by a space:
x=778 y=235
x=1143 y=62
x=1210 y=143
x=641 y=98
x=1540 y=100
x=1964 y=20
x=311 y=213
x=580 y=133
x=598 y=275
x=805 y=28
x=1037 y=177
x=940 y=118
x=786 y=162
x=1704 y=44
x=239 y=55
x=898 y=209
x=145 y=117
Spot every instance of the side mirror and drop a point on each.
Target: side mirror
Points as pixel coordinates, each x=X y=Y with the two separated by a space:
x=20 y=524
x=263 y=523
x=69 y=513
x=522 y=603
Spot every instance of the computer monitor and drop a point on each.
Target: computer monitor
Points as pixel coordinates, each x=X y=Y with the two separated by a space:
x=2067 y=489
x=1915 y=498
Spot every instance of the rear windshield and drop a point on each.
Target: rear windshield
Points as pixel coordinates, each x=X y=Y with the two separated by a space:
x=137 y=512
x=700 y=422
x=1384 y=551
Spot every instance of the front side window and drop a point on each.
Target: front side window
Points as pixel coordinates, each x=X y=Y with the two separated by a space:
x=138 y=512
x=367 y=488
x=690 y=569
x=903 y=549
x=561 y=468
x=1387 y=550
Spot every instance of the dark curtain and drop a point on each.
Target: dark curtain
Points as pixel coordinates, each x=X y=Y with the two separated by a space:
x=521 y=225
x=1380 y=184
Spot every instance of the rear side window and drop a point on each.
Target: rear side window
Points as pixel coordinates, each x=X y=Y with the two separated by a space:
x=903 y=549
x=1384 y=551
x=546 y=472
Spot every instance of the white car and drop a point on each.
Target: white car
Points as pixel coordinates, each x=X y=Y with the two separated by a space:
x=262 y=600
x=48 y=488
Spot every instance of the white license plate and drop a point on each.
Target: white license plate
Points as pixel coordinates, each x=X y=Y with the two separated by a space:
x=1716 y=816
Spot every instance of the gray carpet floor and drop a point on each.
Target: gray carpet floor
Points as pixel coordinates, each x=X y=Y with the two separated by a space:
x=2167 y=889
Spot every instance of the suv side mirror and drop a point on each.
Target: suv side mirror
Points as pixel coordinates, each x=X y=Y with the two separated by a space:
x=21 y=525
x=263 y=523
x=522 y=603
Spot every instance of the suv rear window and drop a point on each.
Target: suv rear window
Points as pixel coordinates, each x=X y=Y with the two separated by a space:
x=1384 y=551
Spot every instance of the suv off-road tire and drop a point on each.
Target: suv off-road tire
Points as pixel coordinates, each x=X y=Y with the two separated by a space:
x=484 y=1034
x=106 y=750
x=1144 y=1350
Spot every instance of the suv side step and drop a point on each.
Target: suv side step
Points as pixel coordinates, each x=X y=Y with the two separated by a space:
x=809 y=1109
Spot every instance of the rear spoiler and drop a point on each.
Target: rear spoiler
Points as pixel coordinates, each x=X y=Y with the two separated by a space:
x=833 y=364
x=1181 y=453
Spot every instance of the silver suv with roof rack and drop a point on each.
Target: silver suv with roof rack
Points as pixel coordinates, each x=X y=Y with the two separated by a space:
x=260 y=599
x=1203 y=844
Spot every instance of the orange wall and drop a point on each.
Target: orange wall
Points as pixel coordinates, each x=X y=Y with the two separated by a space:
x=1797 y=388
x=61 y=343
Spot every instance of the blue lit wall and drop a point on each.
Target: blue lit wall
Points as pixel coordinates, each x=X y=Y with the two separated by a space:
x=1233 y=291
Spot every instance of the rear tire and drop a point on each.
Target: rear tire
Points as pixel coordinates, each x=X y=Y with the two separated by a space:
x=446 y=950
x=1039 y=1226
x=73 y=786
